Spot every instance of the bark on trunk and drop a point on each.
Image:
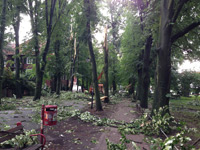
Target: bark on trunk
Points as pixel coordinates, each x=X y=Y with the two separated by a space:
x=16 y=24
x=58 y=70
x=72 y=69
x=105 y=47
x=2 y=29
x=114 y=83
x=164 y=56
x=34 y=25
x=145 y=73
x=82 y=84
x=140 y=73
x=49 y=19
x=58 y=85
x=139 y=84
x=94 y=68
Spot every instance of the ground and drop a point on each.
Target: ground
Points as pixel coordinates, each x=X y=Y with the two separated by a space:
x=74 y=134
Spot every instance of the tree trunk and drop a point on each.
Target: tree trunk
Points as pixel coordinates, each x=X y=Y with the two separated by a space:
x=34 y=25
x=72 y=67
x=94 y=68
x=16 y=24
x=114 y=83
x=2 y=29
x=139 y=73
x=133 y=88
x=38 y=88
x=105 y=47
x=82 y=84
x=49 y=19
x=67 y=86
x=58 y=69
x=164 y=56
x=130 y=87
x=139 y=84
x=58 y=85
x=145 y=73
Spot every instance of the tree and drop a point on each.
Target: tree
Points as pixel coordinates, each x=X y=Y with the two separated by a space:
x=34 y=16
x=2 y=30
x=89 y=7
x=196 y=84
x=49 y=13
x=105 y=47
x=16 y=7
x=171 y=11
x=115 y=8
x=131 y=44
x=186 y=78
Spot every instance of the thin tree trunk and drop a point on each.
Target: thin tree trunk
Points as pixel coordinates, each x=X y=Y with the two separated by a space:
x=133 y=88
x=72 y=66
x=114 y=79
x=58 y=69
x=105 y=47
x=145 y=73
x=58 y=86
x=82 y=84
x=67 y=86
x=16 y=24
x=2 y=29
x=94 y=68
x=139 y=71
x=49 y=20
x=34 y=25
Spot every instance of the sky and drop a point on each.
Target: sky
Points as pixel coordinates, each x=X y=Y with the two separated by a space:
x=190 y=66
x=25 y=28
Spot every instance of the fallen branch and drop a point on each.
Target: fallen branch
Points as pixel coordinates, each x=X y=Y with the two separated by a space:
x=196 y=142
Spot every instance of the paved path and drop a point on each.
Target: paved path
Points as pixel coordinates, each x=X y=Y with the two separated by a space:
x=24 y=115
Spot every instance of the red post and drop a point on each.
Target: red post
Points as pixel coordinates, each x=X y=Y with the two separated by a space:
x=19 y=123
x=42 y=125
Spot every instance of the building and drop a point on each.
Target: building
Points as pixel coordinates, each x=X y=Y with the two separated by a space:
x=9 y=58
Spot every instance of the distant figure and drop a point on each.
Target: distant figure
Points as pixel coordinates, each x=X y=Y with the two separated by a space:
x=91 y=90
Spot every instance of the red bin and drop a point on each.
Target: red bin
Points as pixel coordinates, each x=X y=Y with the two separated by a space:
x=50 y=115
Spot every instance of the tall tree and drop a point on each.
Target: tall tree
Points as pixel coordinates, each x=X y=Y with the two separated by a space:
x=89 y=6
x=115 y=8
x=49 y=13
x=143 y=69
x=170 y=11
x=34 y=16
x=2 y=30
x=105 y=47
x=16 y=7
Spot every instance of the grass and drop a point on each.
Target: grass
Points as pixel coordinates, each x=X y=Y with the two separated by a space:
x=186 y=110
x=186 y=102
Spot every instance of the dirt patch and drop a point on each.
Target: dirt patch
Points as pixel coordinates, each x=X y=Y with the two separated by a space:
x=74 y=134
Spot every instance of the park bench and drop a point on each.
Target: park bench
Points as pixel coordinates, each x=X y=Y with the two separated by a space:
x=18 y=130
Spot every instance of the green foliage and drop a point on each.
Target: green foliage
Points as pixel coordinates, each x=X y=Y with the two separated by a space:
x=87 y=117
x=21 y=141
x=5 y=106
x=197 y=114
x=119 y=146
x=8 y=74
x=152 y=126
x=194 y=103
x=73 y=96
x=179 y=140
